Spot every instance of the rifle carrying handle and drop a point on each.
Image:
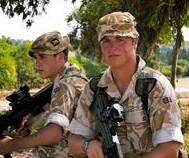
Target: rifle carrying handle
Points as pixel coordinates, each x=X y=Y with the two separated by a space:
x=7 y=155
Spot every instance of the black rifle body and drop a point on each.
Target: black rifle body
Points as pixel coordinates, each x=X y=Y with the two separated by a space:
x=26 y=105
x=104 y=125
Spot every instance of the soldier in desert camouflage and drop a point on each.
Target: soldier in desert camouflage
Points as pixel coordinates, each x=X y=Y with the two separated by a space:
x=50 y=52
x=158 y=136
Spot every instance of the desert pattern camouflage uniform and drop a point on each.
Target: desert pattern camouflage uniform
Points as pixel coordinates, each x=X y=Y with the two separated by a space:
x=66 y=91
x=136 y=135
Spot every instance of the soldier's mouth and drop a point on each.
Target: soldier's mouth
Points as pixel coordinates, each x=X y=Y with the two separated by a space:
x=39 y=70
x=113 y=55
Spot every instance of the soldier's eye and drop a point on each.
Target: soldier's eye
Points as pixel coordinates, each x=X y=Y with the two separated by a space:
x=120 y=38
x=105 y=40
x=42 y=56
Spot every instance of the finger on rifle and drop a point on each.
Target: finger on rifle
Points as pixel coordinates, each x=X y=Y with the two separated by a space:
x=5 y=139
x=95 y=149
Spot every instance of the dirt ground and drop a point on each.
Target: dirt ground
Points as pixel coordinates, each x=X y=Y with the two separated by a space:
x=183 y=82
x=182 y=90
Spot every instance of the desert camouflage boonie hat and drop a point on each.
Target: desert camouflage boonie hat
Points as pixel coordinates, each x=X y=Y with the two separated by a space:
x=49 y=43
x=117 y=24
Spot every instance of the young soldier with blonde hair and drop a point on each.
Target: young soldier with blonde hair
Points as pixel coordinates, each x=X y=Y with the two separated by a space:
x=154 y=133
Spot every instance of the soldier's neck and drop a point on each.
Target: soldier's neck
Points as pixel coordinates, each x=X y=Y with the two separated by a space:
x=123 y=76
x=57 y=74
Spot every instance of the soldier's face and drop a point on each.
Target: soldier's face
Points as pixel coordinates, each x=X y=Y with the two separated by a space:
x=46 y=65
x=118 y=51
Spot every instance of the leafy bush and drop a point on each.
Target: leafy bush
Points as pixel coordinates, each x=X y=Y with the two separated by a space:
x=26 y=72
x=166 y=70
x=164 y=56
x=185 y=125
x=184 y=63
x=186 y=140
x=8 y=76
x=185 y=130
x=16 y=68
x=180 y=71
x=91 y=68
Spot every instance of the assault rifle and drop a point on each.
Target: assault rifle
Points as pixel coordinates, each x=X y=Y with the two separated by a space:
x=108 y=115
x=22 y=104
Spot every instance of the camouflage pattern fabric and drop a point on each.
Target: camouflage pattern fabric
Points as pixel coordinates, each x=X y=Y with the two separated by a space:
x=135 y=134
x=66 y=91
x=49 y=43
x=117 y=24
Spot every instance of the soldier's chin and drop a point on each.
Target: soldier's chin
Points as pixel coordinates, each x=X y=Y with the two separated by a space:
x=43 y=75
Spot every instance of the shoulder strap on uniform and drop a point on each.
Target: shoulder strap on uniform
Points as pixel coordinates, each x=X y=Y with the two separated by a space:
x=98 y=91
x=143 y=88
x=74 y=75
x=144 y=85
x=94 y=82
x=68 y=75
x=79 y=76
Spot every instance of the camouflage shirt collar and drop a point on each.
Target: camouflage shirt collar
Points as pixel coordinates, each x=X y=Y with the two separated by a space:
x=59 y=76
x=69 y=69
x=64 y=71
x=141 y=65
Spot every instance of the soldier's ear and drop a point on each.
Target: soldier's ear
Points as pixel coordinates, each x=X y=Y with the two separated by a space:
x=60 y=57
x=135 y=42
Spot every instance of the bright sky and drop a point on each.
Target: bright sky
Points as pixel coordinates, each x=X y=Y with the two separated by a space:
x=57 y=11
x=186 y=33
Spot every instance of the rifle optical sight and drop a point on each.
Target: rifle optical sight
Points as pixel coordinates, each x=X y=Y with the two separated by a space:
x=17 y=96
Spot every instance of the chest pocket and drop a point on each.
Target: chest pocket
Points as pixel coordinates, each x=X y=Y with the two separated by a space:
x=133 y=111
x=133 y=128
x=57 y=96
x=133 y=114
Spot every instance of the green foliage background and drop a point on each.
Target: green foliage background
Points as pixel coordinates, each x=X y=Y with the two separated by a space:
x=17 y=68
x=163 y=60
x=156 y=23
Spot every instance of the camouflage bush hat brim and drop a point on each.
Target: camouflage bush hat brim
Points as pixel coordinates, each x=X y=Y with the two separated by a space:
x=49 y=43
x=117 y=24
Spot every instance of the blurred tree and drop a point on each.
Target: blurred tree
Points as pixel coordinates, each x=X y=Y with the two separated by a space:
x=83 y=36
x=16 y=67
x=153 y=17
x=27 y=9
x=8 y=75
x=178 y=18
x=26 y=72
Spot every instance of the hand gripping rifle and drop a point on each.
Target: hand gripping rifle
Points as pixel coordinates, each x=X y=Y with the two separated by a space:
x=22 y=104
x=108 y=115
